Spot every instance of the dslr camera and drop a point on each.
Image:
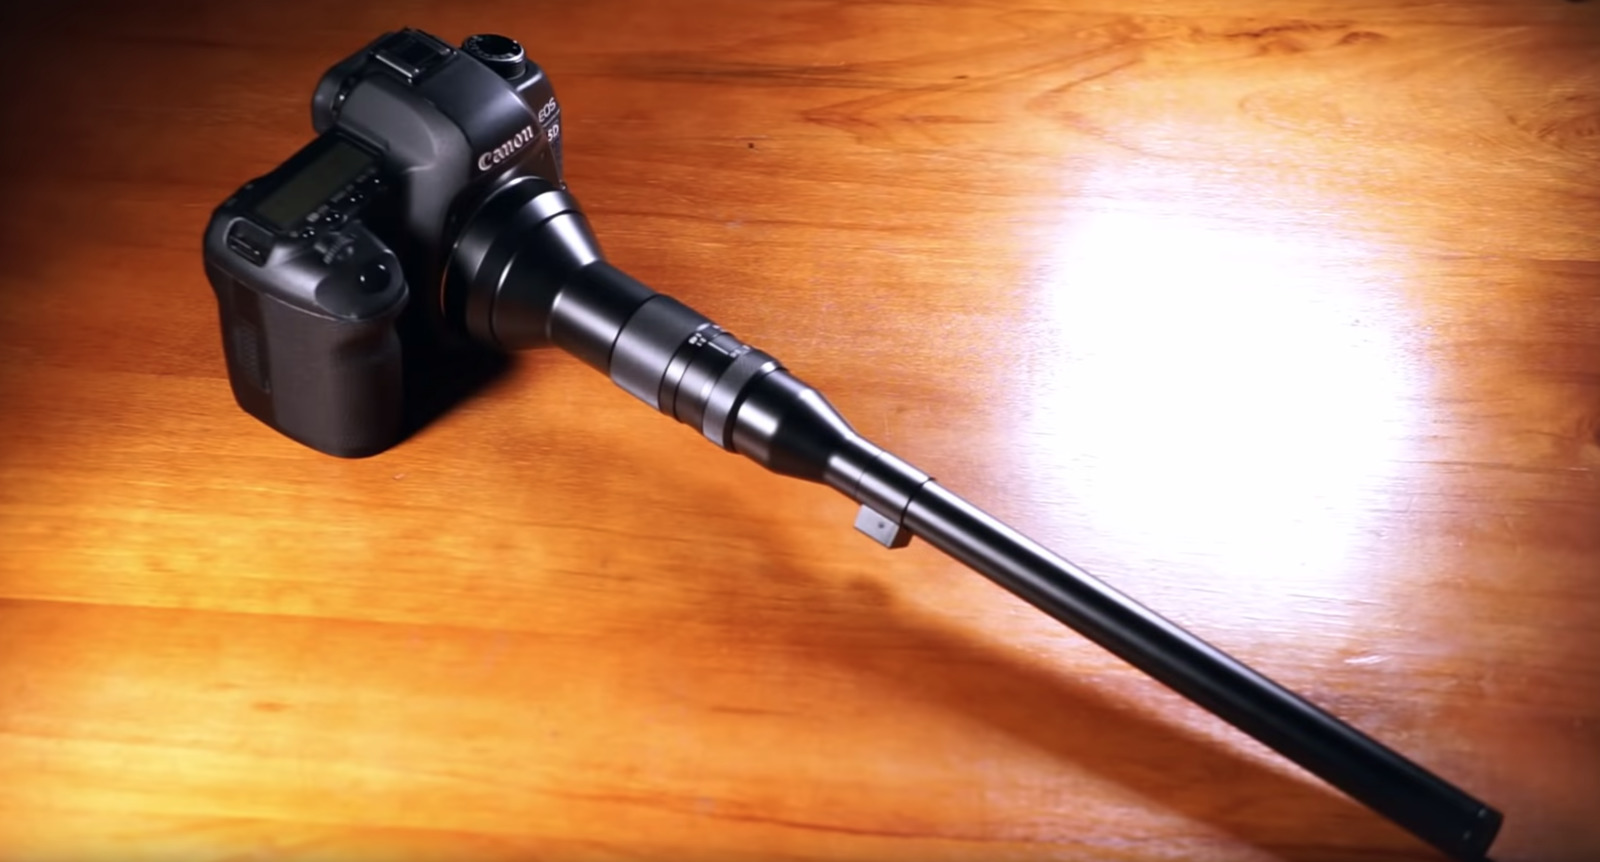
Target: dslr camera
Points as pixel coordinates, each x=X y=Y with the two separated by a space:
x=428 y=222
x=330 y=272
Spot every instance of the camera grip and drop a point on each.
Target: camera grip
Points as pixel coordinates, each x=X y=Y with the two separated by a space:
x=331 y=383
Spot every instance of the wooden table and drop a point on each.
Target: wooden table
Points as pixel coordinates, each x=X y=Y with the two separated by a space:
x=1286 y=321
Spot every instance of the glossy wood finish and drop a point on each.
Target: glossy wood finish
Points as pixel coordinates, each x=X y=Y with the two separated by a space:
x=1287 y=322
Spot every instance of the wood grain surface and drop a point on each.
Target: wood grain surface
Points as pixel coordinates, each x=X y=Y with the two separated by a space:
x=1283 y=317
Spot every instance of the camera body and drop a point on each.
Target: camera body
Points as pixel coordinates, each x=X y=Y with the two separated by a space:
x=328 y=271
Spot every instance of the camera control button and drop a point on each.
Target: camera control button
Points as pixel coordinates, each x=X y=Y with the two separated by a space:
x=249 y=241
x=330 y=241
x=374 y=277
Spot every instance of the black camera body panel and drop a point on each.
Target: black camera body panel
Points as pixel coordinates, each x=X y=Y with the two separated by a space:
x=327 y=270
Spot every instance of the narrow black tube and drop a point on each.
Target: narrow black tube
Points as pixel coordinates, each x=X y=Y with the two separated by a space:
x=528 y=269
x=1428 y=806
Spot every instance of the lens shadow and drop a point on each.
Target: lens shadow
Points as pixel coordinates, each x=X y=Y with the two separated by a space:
x=912 y=653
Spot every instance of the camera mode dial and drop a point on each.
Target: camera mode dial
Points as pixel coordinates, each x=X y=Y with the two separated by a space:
x=503 y=54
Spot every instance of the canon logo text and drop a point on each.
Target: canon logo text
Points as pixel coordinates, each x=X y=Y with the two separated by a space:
x=506 y=150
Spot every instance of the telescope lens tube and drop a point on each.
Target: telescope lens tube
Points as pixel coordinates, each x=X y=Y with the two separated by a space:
x=533 y=273
x=526 y=270
x=643 y=350
x=677 y=361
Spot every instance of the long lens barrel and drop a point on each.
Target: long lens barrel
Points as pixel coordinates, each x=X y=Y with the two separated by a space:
x=1428 y=806
x=528 y=271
